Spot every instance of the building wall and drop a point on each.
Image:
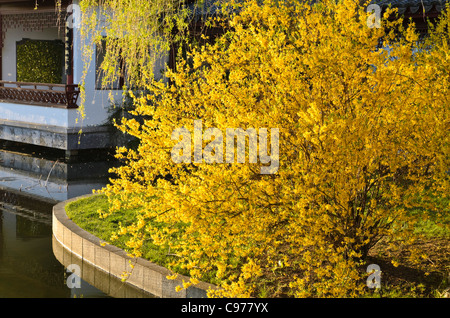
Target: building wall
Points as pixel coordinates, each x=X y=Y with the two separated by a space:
x=97 y=102
x=51 y=126
x=58 y=127
x=39 y=115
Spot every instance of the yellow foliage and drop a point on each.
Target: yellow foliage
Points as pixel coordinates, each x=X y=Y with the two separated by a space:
x=363 y=131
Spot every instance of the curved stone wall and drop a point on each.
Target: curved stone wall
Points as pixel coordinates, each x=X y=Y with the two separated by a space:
x=147 y=276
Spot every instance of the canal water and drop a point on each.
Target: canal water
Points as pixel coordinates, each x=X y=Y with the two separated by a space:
x=30 y=185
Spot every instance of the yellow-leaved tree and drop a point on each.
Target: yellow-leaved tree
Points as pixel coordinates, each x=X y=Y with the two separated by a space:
x=347 y=129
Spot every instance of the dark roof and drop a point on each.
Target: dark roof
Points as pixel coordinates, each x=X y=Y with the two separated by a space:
x=412 y=7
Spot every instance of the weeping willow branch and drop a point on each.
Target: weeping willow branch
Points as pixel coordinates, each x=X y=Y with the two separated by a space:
x=135 y=36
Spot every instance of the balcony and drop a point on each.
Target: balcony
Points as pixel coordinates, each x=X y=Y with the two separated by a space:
x=40 y=94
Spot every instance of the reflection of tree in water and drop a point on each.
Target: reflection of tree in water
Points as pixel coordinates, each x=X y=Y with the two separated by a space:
x=32 y=221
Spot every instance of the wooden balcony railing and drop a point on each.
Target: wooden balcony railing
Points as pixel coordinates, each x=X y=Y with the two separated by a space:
x=42 y=94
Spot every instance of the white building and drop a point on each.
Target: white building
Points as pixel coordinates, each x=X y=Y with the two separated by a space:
x=34 y=111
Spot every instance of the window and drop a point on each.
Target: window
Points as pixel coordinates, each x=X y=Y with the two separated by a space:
x=100 y=84
x=40 y=61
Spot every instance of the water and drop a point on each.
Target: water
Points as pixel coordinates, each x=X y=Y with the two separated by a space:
x=29 y=187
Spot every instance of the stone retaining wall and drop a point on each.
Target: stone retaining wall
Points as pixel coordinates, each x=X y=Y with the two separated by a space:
x=145 y=275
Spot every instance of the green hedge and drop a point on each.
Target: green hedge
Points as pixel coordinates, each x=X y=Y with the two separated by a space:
x=40 y=61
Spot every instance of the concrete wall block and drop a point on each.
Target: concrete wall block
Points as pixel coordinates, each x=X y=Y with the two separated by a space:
x=67 y=238
x=88 y=273
x=77 y=244
x=67 y=256
x=118 y=265
x=136 y=274
x=117 y=288
x=58 y=250
x=153 y=281
x=154 y=277
x=75 y=260
x=102 y=259
x=88 y=251
x=102 y=281
x=169 y=288
x=57 y=228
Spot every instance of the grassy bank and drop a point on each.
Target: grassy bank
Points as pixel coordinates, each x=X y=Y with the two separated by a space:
x=429 y=278
x=84 y=212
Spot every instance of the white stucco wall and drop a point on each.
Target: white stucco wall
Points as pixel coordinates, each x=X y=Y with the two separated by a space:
x=97 y=102
x=50 y=116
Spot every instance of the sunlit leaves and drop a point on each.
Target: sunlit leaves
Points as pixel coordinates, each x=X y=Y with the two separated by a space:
x=363 y=135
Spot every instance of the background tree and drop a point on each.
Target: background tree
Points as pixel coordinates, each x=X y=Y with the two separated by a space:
x=135 y=36
x=363 y=118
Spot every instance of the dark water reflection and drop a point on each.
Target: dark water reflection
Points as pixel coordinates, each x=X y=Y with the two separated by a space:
x=29 y=187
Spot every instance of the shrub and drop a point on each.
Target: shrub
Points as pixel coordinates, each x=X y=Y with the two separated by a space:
x=363 y=136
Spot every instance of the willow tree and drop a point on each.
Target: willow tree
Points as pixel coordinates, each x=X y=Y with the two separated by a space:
x=363 y=137
x=135 y=36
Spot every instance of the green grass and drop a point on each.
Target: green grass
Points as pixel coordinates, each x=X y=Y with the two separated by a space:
x=438 y=223
x=84 y=212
